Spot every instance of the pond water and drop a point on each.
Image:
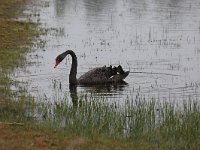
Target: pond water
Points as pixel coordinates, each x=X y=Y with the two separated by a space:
x=157 y=40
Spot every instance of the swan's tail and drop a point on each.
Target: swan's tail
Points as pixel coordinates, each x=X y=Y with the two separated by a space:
x=125 y=74
x=119 y=77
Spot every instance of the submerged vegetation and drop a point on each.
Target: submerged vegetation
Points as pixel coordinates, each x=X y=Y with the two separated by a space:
x=90 y=123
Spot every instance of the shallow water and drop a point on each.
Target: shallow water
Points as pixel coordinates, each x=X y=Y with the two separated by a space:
x=159 y=40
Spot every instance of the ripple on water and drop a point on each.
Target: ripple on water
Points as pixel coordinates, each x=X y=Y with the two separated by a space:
x=157 y=39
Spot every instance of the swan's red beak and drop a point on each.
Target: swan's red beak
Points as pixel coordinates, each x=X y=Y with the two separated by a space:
x=56 y=64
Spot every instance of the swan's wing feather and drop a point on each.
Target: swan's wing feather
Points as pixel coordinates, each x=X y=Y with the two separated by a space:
x=100 y=75
x=96 y=75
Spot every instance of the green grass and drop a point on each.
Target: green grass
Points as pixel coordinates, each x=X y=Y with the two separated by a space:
x=158 y=124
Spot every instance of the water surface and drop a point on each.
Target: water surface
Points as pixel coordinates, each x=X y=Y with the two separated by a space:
x=159 y=40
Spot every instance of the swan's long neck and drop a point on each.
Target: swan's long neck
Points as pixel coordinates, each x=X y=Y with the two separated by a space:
x=73 y=71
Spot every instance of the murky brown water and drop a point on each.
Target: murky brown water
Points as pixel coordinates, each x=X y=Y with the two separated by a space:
x=158 y=39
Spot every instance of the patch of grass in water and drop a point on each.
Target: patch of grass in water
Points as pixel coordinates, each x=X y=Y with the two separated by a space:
x=159 y=124
x=138 y=121
x=15 y=38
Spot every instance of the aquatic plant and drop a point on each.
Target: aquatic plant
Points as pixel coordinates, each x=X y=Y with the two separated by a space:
x=160 y=123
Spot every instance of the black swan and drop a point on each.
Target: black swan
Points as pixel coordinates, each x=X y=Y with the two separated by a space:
x=101 y=75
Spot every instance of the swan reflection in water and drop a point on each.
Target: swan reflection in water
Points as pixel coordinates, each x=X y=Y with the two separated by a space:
x=73 y=95
x=107 y=90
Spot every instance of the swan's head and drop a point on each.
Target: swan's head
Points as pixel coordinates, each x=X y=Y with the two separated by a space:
x=59 y=58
